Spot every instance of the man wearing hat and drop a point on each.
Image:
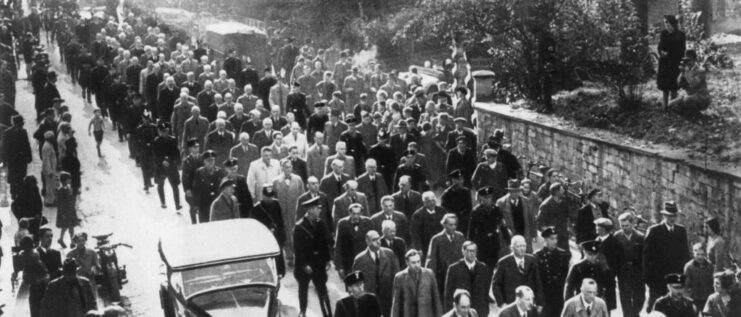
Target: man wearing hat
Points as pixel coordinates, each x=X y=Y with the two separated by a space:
x=610 y=251
x=225 y=206
x=665 y=251
x=461 y=130
x=413 y=170
x=167 y=158
x=461 y=158
x=206 y=185
x=675 y=304
x=192 y=162
x=70 y=293
x=385 y=157
x=457 y=199
x=312 y=243
x=269 y=213
x=486 y=227
x=380 y=265
x=333 y=129
x=490 y=173
x=359 y=303
x=510 y=161
x=553 y=265
x=594 y=209
x=591 y=267
x=520 y=219
x=241 y=189
x=355 y=146
x=350 y=237
x=144 y=137
x=400 y=141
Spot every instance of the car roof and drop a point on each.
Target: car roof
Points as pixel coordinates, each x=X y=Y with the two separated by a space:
x=231 y=27
x=216 y=242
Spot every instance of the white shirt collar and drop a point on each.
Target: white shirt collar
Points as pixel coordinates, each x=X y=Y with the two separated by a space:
x=522 y=312
x=470 y=265
x=668 y=226
x=584 y=302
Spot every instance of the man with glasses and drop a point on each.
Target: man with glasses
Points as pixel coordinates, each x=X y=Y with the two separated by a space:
x=471 y=275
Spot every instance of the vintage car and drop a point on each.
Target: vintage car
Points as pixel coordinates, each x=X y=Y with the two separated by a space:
x=222 y=268
x=248 y=39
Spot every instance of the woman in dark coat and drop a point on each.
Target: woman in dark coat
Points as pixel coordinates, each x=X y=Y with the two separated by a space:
x=28 y=202
x=671 y=51
x=71 y=164
x=66 y=209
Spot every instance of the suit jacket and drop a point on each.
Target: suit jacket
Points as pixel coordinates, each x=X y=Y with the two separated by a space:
x=410 y=206
x=224 y=208
x=263 y=138
x=332 y=187
x=374 y=191
x=574 y=307
x=332 y=134
x=424 y=226
x=57 y=297
x=531 y=226
x=467 y=133
x=52 y=260
x=584 y=226
x=315 y=160
x=475 y=282
x=367 y=306
x=350 y=241
x=379 y=278
x=416 y=299
x=399 y=247
x=244 y=158
x=664 y=252
x=193 y=128
x=399 y=146
x=220 y=145
x=325 y=214
x=471 y=313
x=632 y=252
x=348 y=168
x=510 y=310
x=507 y=277
x=442 y=253
x=343 y=202
x=402 y=224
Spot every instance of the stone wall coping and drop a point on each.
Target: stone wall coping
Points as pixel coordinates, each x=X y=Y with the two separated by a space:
x=732 y=172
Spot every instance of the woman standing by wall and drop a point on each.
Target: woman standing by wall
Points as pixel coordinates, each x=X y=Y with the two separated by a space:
x=671 y=51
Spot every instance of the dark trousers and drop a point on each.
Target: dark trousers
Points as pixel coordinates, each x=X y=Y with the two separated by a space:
x=16 y=173
x=655 y=290
x=699 y=304
x=35 y=295
x=204 y=211
x=147 y=166
x=171 y=174
x=553 y=299
x=319 y=278
x=101 y=102
x=632 y=293
x=193 y=210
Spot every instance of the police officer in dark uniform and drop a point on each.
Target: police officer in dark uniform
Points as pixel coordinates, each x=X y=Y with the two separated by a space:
x=191 y=164
x=486 y=227
x=553 y=265
x=593 y=268
x=460 y=130
x=267 y=211
x=241 y=191
x=312 y=242
x=354 y=141
x=206 y=185
x=145 y=134
x=675 y=304
x=167 y=157
x=359 y=303
x=413 y=170
x=384 y=156
x=457 y=199
x=296 y=104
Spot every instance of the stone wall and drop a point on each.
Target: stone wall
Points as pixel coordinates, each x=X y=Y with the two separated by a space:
x=631 y=176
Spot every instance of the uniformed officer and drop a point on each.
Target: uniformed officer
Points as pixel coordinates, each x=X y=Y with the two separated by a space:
x=191 y=164
x=145 y=134
x=312 y=242
x=485 y=227
x=241 y=191
x=553 y=263
x=592 y=268
x=359 y=303
x=167 y=158
x=355 y=146
x=457 y=199
x=384 y=156
x=206 y=185
x=413 y=170
x=675 y=304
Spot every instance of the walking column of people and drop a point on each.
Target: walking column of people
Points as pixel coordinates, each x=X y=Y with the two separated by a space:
x=357 y=169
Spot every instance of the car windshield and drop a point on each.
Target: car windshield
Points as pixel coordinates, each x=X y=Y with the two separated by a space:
x=245 y=301
x=220 y=276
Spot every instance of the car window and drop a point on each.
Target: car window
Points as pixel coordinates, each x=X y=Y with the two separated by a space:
x=246 y=301
x=228 y=275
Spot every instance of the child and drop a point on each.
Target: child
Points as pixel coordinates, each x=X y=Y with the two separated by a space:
x=97 y=123
x=66 y=210
x=23 y=225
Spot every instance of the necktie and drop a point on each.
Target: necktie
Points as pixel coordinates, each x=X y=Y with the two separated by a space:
x=524 y=314
x=375 y=188
x=521 y=266
x=352 y=199
x=406 y=203
x=589 y=310
x=376 y=259
x=339 y=185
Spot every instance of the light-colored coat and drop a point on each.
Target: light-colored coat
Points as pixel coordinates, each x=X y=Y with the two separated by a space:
x=348 y=168
x=574 y=307
x=224 y=208
x=342 y=204
x=260 y=174
x=416 y=299
x=288 y=193
x=299 y=140
x=244 y=158
x=315 y=160
x=529 y=213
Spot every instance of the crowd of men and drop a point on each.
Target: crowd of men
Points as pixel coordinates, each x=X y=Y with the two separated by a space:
x=375 y=174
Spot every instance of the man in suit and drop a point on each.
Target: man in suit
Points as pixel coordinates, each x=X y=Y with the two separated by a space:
x=471 y=275
x=586 y=304
x=224 y=207
x=360 y=303
x=340 y=154
x=461 y=158
x=513 y=270
x=457 y=199
x=372 y=184
x=445 y=249
x=220 y=141
x=462 y=305
x=665 y=251
x=385 y=157
x=16 y=153
x=389 y=213
x=58 y=297
x=406 y=199
x=51 y=258
x=333 y=129
x=461 y=130
x=487 y=227
x=245 y=153
x=595 y=208
x=379 y=265
x=299 y=165
x=400 y=140
x=264 y=137
x=350 y=235
x=333 y=183
x=205 y=187
x=354 y=141
x=415 y=290
x=554 y=212
x=591 y=267
x=341 y=204
x=167 y=160
x=316 y=156
x=610 y=253
x=520 y=220
x=630 y=273
x=325 y=211
x=194 y=127
x=523 y=306
x=413 y=170
x=391 y=241
x=426 y=222
x=312 y=243
x=553 y=264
